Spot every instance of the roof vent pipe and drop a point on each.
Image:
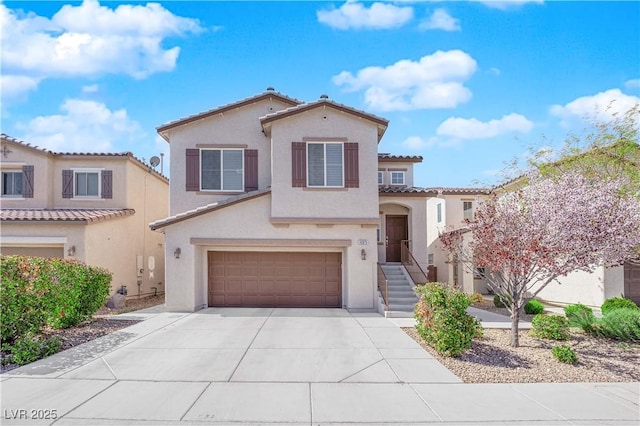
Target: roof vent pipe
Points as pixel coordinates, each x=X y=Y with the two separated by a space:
x=270 y=89
x=323 y=96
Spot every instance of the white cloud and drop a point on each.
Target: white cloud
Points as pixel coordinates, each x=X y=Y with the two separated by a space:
x=632 y=84
x=355 y=15
x=601 y=106
x=92 y=88
x=472 y=128
x=83 y=126
x=494 y=71
x=90 y=39
x=416 y=143
x=13 y=86
x=434 y=81
x=507 y=4
x=440 y=20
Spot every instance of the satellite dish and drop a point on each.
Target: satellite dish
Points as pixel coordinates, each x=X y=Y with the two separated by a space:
x=154 y=161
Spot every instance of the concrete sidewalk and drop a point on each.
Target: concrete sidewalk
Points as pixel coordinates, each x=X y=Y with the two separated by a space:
x=283 y=366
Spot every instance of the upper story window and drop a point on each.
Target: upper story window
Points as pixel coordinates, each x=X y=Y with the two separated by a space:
x=222 y=170
x=467 y=209
x=380 y=177
x=86 y=184
x=397 y=178
x=12 y=184
x=439 y=212
x=430 y=259
x=325 y=167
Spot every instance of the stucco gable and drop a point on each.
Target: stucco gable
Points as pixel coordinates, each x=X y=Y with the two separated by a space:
x=268 y=95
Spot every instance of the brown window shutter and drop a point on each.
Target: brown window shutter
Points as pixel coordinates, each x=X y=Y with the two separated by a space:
x=351 y=167
x=250 y=170
x=107 y=183
x=27 y=181
x=298 y=164
x=67 y=184
x=193 y=170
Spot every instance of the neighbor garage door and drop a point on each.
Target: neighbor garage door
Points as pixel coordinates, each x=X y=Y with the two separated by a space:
x=271 y=279
x=632 y=282
x=33 y=251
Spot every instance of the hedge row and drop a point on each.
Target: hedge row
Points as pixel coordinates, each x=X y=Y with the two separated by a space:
x=36 y=292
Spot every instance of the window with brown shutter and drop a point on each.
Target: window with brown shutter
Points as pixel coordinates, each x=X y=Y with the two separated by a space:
x=298 y=164
x=107 y=183
x=27 y=181
x=250 y=170
x=193 y=170
x=351 y=165
x=67 y=184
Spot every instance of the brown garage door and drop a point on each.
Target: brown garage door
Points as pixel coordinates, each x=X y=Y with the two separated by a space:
x=272 y=279
x=632 y=282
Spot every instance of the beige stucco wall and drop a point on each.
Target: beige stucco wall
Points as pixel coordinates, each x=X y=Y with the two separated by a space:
x=239 y=127
x=319 y=124
x=42 y=174
x=387 y=166
x=186 y=277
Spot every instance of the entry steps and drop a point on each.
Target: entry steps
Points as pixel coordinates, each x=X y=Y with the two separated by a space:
x=402 y=298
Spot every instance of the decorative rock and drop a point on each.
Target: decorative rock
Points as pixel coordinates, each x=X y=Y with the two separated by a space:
x=116 y=301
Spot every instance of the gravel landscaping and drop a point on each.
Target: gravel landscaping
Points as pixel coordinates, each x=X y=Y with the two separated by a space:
x=491 y=359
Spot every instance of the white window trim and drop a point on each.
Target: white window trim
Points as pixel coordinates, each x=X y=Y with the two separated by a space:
x=380 y=177
x=88 y=197
x=403 y=174
x=222 y=170
x=12 y=197
x=325 y=143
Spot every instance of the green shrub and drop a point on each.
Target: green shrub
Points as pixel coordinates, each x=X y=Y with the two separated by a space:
x=617 y=303
x=442 y=319
x=620 y=324
x=580 y=315
x=36 y=292
x=564 y=353
x=554 y=327
x=502 y=300
x=533 y=307
x=29 y=348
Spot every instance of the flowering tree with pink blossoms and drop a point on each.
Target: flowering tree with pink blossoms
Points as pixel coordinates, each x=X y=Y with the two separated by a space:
x=555 y=224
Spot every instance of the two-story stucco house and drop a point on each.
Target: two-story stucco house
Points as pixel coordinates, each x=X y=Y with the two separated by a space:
x=279 y=202
x=92 y=207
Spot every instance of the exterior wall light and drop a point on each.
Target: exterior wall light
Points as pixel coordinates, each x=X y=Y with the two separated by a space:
x=177 y=253
x=71 y=251
x=363 y=254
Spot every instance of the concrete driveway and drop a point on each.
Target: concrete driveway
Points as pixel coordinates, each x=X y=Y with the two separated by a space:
x=295 y=366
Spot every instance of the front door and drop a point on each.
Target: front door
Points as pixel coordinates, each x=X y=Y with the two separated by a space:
x=397 y=231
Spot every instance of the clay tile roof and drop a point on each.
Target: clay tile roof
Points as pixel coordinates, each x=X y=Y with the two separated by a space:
x=406 y=190
x=399 y=158
x=8 y=138
x=461 y=191
x=62 y=215
x=207 y=208
x=221 y=109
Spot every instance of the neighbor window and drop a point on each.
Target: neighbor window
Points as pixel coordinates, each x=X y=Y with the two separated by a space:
x=439 y=212
x=12 y=184
x=86 y=184
x=221 y=170
x=397 y=178
x=467 y=209
x=430 y=259
x=380 y=178
x=324 y=165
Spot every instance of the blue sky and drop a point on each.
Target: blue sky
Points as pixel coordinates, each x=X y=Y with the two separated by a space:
x=467 y=85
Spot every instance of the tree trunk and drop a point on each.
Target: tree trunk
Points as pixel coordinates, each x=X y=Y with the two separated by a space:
x=515 y=318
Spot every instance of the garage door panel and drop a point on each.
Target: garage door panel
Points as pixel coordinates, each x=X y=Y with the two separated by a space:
x=275 y=279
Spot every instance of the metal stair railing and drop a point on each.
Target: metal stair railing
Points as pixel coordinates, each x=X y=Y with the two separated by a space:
x=383 y=286
x=411 y=264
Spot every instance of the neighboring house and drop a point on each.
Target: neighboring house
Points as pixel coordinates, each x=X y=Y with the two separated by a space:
x=277 y=202
x=447 y=211
x=92 y=207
